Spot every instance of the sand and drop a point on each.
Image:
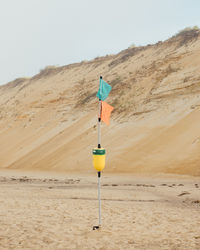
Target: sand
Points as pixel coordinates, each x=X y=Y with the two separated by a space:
x=48 y=211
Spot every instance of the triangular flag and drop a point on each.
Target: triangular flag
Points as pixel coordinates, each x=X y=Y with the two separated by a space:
x=106 y=110
x=104 y=90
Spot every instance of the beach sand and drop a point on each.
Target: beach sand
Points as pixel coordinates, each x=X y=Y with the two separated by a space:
x=47 y=211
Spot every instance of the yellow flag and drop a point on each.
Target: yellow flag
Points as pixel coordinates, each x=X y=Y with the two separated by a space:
x=106 y=110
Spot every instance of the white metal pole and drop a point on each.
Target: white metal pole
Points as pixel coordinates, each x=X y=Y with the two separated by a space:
x=99 y=196
x=99 y=146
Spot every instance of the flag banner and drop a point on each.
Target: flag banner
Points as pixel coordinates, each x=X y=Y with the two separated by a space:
x=104 y=90
x=106 y=110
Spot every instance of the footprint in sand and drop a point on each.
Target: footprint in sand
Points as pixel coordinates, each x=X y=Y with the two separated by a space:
x=197 y=201
x=184 y=193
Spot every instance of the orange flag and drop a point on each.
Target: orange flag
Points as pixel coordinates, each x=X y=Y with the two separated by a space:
x=106 y=110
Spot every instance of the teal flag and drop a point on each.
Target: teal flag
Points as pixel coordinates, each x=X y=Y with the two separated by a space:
x=104 y=90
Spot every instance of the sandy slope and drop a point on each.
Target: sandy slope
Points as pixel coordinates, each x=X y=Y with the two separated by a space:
x=48 y=122
x=55 y=212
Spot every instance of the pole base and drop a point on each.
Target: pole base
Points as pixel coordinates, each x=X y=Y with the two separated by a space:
x=96 y=227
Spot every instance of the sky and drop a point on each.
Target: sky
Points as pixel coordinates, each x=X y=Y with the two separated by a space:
x=38 y=33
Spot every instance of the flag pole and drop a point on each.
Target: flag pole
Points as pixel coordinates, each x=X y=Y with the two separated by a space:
x=99 y=146
x=99 y=153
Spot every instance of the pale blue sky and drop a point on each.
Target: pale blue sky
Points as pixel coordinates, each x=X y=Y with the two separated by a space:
x=37 y=33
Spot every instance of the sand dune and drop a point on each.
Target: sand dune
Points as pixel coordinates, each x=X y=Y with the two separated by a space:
x=48 y=122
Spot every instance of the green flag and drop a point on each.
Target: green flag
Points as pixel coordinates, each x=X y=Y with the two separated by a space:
x=104 y=90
